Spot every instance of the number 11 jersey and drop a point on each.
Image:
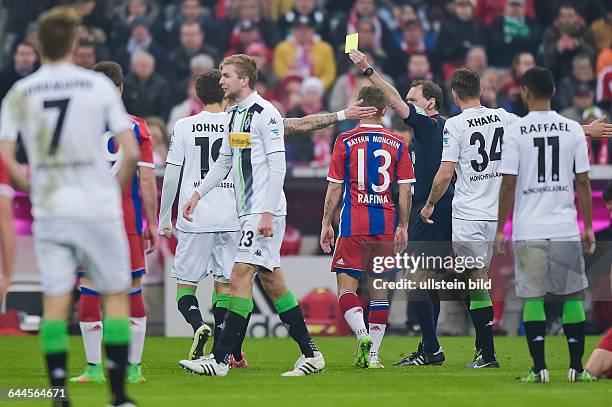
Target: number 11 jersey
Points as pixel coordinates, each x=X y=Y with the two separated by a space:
x=195 y=145
x=473 y=140
x=367 y=160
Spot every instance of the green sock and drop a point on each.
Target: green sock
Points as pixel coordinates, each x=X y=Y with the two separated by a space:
x=223 y=301
x=181 y=292
x=116 y=331
x=479 y=299
x=573 y=311
x=54 y=336
x=533 y=310
x=286 y=302
x=241 y=306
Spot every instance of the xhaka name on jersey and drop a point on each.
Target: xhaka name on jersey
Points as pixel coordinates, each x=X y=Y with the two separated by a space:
x=481 y=121
x=545 y=127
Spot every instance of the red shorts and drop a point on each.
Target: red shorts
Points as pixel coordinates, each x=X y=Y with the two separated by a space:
x=137 y=255
x=355 y=255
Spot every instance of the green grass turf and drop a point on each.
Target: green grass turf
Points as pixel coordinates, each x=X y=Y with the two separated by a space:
x=340 y=385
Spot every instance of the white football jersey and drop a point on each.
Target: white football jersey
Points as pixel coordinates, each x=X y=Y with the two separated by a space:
x=473 y=140
x=62 y=112
x=195 y=145
x=255 y=130
x=544 y=150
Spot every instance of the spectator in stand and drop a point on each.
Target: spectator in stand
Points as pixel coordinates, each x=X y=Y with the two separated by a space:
x=418 y=67
x=488 y=10
x=125 y=14
x=476 y=59
x=604 y=60
x=192 y=44
x=198 y=65
x=288 y=92
x=568 y=37
x=386 y=58
x=85 y=54
x=248 y=33
x=581 y=74
x=19 y=16
x=321 y=141
x=263 y=59
x=93 y=15
x=459 y=33
x=305 y=8
x=304 y=55
x=140 y=39
x=189 y=106
x=413 y=42
x=604 y=87
x=98 y=38
x=600 y=149
x=191 y=11
x=146 y=92
x=490 y=90
x=252 y=10
x=602 y=29
x=521 y=64
x=511 y=34
x=583 y=98
x=25 y=61
x=160 y=140
x=300 y=145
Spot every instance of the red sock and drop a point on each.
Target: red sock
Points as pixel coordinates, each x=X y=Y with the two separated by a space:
x=379 y=312
x=347 y=301
x=137 y=305
x=89 y=306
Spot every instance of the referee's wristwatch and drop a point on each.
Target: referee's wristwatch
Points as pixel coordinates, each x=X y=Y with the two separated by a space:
x=368 y=72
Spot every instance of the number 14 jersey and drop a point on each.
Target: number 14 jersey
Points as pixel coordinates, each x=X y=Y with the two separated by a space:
x=368 y=159
x=473 y=140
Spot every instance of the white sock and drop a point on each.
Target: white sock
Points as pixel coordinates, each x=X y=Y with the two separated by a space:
x=377 y=332
x=92 y=341
x=138 y=326
x=354 y=319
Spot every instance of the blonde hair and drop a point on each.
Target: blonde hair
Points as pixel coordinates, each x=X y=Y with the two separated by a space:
x=245 y=67
x=57 y=31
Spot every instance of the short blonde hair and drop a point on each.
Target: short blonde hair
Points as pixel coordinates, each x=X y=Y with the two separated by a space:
x=57 y=31
x=245 y=66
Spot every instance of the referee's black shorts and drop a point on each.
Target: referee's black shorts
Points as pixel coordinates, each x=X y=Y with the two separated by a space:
x=431 y=239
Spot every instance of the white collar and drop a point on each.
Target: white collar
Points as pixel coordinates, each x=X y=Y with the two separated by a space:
x=372 y=126
x=247 y=101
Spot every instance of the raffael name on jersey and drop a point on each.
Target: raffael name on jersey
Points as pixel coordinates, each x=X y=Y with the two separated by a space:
x=199 y=127
x=481 y=121
x=545 y=127
x=375 y=139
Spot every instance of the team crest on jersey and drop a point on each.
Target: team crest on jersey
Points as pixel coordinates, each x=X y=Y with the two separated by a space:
x=445 y=136
x=240 y=140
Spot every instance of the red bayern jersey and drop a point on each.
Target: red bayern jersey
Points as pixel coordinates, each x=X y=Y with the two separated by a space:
x=5 y=181
x=131 y=199
x=368 y=159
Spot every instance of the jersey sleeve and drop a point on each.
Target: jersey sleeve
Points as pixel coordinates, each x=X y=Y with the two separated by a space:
x=9 y=122
x=271 y=130
x=116 y=117
x=418 y=119
x=146 y=145
x=176 y=151
x=510 y=152
x=451 y=142
x=581 y=159
x=405 y=171
x=337 y=167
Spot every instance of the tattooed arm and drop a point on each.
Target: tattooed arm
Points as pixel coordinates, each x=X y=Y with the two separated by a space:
x=334 y=190
x=319 y=121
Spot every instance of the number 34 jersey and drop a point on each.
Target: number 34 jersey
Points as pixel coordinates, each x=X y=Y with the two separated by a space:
x=473 y=140
x=367 y=160
x=195 y=145
x=61 y=113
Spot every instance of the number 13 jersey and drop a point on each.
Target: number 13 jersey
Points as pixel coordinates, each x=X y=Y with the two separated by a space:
x=195 y=145
x=367 y=160
x=473 y=140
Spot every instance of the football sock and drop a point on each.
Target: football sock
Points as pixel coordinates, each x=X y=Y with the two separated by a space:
x=435 y=303
x=353 y=313
x=117 y=341
x=424 y=310
x=291 y=316
x=573 y=326
x=377 y=318
x=481 y=311
x=189 y=307
x=237 y=352
x=54 y=338
x=138 y=325
x=234 y=324
x=90 y=321
x=535 y=330
x=220 y=306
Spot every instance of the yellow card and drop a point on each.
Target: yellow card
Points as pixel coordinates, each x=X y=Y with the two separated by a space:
x=352 y=42
x=240 y=140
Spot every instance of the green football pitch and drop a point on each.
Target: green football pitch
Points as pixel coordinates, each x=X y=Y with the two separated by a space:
x=340 y=385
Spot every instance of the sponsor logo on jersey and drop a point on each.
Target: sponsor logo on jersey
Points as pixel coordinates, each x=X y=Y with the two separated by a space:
x=445 y=137
x=272 y=121
x=240 y=140
x=258 y=253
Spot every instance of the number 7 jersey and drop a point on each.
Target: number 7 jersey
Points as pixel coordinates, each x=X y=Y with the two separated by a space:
x=368 y=159
x=473 y=140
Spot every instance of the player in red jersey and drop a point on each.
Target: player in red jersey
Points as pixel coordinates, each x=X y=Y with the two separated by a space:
x=365 y=162
x=140 y=195
x=600 y=362
x=7 y=232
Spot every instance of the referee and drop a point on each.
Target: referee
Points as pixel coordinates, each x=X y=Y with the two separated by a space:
x=421 y=113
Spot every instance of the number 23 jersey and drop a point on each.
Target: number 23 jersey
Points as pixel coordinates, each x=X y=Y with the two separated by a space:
x=195 y=145
x=473 y=140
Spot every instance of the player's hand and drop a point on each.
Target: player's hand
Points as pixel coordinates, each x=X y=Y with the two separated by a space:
x=588 y=241
x=265 y=224
x=165 y=232
x=150 y=237
x=190 y=206
x=327 y=238
x=359 y=59
x=599 y=128
x=401 y=239
x=358 y=112
x=500 y=243
x=426 y=213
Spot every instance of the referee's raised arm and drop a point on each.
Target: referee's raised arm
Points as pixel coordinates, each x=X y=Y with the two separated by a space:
x=395 y=99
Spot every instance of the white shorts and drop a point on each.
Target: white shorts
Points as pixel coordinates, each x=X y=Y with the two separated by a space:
x=474 y=238
x=100 y=247
x=256 y=249
x=553 y=266
x=200 y=254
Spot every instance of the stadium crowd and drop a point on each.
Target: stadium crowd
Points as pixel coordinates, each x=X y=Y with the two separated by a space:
x=163 y=45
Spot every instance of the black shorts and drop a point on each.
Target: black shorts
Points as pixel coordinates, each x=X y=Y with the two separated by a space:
x=431 y=239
